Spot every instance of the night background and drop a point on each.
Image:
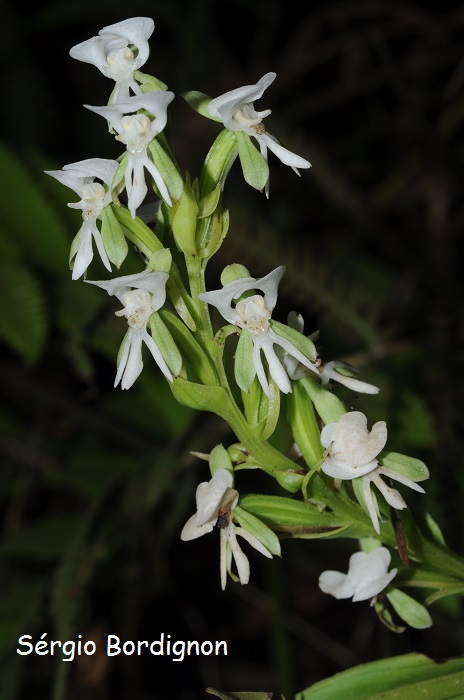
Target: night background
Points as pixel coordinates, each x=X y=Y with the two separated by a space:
x=95 y=483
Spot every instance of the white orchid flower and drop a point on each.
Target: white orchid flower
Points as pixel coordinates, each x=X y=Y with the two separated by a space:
x=237 y=112
x=352 y=448
x=367 y=576
x=141 y=295
x=352 y=453
x=252 y=315
x=325 y=371
x=112 y=52
x=216 y=500
x=81 y=177
x=136 y=131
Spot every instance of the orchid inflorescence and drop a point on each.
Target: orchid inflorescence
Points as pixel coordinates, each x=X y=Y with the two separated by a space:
x=338 y=459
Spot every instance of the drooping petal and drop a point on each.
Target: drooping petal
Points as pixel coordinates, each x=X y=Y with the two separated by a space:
x=251 y=539
x=156 y=354
x=131 y=363
x=241 y=561
x=329 y=372
x=283 y=154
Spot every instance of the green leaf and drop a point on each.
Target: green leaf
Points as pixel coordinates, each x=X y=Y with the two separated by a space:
x=23 y=315
x=239 y=696
x=254 y=166
x=407 y=677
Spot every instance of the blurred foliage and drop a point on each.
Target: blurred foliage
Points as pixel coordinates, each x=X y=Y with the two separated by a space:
x=96 y=483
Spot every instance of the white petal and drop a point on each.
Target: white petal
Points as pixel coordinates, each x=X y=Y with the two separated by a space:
x=156 y=354
x=210 y=494
x=277 y=371
x=283 y=154
x=251 y=539
x=226 y=105
x=192 y=530
x=84 y=253
x=401 y=478
x=241 y=561
x=335 y=583
x=329 y=372
x=392 y=496
x=260 y=373
x=371 y=503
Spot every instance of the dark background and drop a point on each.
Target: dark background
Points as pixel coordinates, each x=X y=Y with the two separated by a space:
x=96 y=483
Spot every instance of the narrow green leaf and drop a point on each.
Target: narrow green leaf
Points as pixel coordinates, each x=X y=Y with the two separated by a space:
x=412 y=676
